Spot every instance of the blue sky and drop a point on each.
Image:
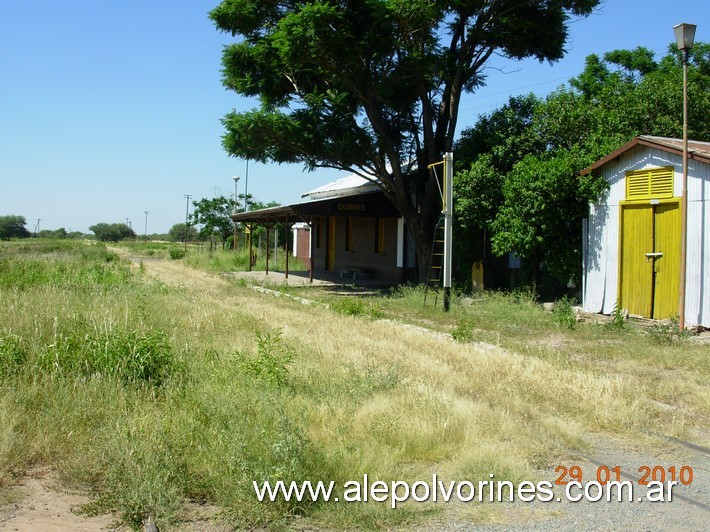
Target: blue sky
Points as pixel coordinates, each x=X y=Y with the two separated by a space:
x=111 y=108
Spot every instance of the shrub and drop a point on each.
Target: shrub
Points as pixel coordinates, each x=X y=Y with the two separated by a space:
x=271 y=361
x=357 y=307
x=563 y=313
x=618 y=320
x=177 y=253
x=463 y=332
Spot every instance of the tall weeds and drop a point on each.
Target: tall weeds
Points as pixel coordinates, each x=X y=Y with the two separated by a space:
x=153 y=394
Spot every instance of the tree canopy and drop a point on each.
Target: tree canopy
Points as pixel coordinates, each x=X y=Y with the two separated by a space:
x=373 y=87
x=213 y=214
x=177 y=233
x=13 y=226
x=521 y=182
x=112 y=232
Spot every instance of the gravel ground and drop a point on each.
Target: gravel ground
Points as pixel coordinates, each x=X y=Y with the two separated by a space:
x=689 y=509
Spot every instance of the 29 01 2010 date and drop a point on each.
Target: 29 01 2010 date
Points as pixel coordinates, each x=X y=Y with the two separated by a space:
x=605 y=474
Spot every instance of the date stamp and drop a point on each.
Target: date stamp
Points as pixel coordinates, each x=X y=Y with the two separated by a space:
x=604 y=474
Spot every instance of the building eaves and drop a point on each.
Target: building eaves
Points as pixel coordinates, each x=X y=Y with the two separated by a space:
x=697 y=150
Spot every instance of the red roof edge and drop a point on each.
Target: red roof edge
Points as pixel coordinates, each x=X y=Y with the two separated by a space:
x=642 y=140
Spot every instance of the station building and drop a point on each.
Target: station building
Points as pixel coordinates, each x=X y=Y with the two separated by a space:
x=348 y=228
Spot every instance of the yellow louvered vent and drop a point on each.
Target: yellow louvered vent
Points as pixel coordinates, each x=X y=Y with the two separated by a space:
x=655 y=183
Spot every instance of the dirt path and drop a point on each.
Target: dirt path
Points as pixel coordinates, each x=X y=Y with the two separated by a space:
x=41 y=504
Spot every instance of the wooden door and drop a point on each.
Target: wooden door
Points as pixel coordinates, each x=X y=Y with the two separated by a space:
x=650 y=259
x=636 y=270
x=666 y=266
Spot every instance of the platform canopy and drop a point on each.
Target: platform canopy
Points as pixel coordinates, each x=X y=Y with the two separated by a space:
x=347 y=197
x=372 y=204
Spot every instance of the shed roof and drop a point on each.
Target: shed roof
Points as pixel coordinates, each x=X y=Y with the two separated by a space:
x=697 y=149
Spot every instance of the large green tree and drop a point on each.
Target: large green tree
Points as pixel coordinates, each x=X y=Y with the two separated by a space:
x=177 y=233
x=112 y=232
x=522 y=184
x=13 y=226
x=212 y=214
x=373 y=87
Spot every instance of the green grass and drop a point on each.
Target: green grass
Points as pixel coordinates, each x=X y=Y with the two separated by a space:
x=152 y=394
x=220 y=260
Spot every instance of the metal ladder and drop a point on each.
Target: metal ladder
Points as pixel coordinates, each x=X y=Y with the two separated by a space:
x=436 y=261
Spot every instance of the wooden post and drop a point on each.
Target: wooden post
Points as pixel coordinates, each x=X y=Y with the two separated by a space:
x=310 y=253
x=267 y=248
x=289 y=235
x=251 y=251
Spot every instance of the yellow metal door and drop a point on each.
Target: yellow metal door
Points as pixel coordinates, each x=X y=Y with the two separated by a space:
x=667 y=266
x=636 y=270
x=330 y=251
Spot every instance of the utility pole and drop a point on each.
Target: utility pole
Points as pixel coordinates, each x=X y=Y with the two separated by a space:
x=128 y=223
x=37 y=227
x=187 y=210
x=448 y=224
x=236 y=209
x=246 y=189
x=685 y=36
x=145 y=234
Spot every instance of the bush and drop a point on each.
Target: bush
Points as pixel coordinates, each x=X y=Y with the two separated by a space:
x=177 y=253
x=618 y=320
x=563 y=313
x=463 y=332
x=357 y=307
x=271 y=360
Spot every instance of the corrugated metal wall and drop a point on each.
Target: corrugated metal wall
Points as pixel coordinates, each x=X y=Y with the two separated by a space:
x=602 y=263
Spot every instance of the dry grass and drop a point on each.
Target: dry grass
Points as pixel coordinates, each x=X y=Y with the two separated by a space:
x=353 y=395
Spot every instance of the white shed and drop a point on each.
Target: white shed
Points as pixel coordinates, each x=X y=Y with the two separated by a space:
x=632 y=236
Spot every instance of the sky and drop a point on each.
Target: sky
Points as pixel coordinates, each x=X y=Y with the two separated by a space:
x=110 y=108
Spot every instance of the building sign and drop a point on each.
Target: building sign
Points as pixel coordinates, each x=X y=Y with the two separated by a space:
x=351 y=208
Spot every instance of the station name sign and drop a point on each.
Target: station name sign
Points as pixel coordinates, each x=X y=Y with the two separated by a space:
x=346 y=207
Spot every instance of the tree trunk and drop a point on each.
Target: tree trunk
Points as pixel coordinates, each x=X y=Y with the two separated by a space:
x=422 y=233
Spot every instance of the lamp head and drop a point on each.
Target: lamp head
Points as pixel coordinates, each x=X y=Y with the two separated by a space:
x=684 y=35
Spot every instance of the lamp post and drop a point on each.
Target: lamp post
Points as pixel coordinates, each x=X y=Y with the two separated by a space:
x=236 y=204
x=684 y=36
x=246 y=189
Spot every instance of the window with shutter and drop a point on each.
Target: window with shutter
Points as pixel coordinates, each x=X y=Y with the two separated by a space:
x=654 y=183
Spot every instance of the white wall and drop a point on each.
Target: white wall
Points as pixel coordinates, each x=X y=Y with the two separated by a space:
x=602 y=264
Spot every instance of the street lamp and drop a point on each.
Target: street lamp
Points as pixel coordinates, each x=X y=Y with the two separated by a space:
x=236 y=200
x=684 y=36
x=236 y=203
x=246 y=189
